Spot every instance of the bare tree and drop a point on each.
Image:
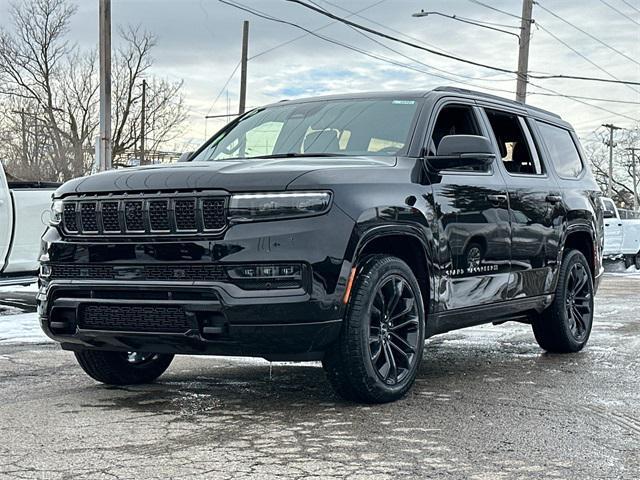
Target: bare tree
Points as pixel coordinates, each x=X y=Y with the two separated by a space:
x=598 y=155
x=56 y=84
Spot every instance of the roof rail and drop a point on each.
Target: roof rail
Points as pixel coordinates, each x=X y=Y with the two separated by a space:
x=494 y=97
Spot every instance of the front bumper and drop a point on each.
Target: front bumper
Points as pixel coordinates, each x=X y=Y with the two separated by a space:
x=219 y=317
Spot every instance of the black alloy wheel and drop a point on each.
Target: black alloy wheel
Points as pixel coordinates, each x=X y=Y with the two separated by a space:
x=378 y=354
x=393 y=330
x=565 y=326
x=578 y=302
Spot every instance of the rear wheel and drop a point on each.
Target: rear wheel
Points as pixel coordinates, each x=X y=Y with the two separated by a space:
x=637 y=262
x=377 y=356
x=565 y=325
x=123 y=368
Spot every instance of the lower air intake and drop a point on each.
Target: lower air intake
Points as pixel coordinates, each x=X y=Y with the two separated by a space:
x=134 y=318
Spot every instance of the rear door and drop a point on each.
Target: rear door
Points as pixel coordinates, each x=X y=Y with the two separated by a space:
x=6 y=219
x=535 y=201
x=471 y=206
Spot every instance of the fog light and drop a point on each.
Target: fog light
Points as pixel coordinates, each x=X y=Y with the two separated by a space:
x=266 y=277
x=266 y=272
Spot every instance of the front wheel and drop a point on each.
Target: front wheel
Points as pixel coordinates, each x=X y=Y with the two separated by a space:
x=123 y=368
x=378 y=353
x=565 y=326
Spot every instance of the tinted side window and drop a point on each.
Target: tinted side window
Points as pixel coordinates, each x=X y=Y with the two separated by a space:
x=454 y=120
x=517 y=153
x=563 y=151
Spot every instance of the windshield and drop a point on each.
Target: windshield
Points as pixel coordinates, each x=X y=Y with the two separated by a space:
x=322 y=128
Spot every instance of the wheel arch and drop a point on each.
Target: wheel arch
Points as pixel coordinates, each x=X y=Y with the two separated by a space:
x=581 y=238
x=408 y=245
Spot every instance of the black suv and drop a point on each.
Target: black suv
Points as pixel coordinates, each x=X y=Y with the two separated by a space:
x=345 y=229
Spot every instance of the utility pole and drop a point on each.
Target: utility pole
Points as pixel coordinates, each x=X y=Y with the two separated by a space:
x=523 y=50
x=633 y=171
x=104 y=143
x=610 y=144
x=143 y=120
x=243 y=70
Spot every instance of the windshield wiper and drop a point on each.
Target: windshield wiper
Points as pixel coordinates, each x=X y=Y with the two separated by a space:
x=299 y=155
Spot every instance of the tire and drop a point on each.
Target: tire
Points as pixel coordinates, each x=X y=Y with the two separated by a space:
x=380 y=329
x=637 y=261
x=565 y=326
x=122 y=368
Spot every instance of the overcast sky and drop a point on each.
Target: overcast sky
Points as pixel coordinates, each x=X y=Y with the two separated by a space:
x=199 y=42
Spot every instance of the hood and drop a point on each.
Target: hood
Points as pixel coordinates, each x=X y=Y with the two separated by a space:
x=233 y=176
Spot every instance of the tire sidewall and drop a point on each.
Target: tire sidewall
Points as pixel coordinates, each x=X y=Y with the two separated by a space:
x=573 y=257
x=373 y=281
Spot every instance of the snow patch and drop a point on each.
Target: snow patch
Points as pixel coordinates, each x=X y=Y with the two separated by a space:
x=21 y=328
x=31 y=288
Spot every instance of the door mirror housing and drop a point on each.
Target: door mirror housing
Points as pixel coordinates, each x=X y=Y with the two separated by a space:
x=462 y=151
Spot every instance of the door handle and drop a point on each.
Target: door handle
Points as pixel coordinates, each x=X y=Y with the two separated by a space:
x=619 y=224
x=553 y=198
x=500 y=198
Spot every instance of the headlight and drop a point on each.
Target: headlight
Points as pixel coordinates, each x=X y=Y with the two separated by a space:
x=55 y=216
x=273 y=206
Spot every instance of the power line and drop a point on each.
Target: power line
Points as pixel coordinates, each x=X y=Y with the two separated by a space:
x=596 y=99
x=223 y=88
x=619 y=12
x=288 y=42
x=403 y=34
x=550 y=92
x=598 y=107
x=631 y=6
x=353 y=48
x=602 y=69
x=452 y=57
x=496 y=9
x=593 y=37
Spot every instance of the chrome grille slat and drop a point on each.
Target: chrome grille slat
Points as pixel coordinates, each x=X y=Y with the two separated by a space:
x=144 y=214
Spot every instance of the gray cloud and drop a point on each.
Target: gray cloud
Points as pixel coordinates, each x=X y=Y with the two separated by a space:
x=199 y=41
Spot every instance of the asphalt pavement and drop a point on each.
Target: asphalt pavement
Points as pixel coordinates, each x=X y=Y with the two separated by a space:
x=488 y=404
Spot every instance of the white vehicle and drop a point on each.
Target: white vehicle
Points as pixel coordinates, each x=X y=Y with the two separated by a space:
x=24 y=207
x=621 y=236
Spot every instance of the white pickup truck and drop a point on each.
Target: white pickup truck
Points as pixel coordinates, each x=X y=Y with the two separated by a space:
x=24 y=208
x=621 y=236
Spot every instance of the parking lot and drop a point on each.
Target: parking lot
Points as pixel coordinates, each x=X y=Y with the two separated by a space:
x=488 y=404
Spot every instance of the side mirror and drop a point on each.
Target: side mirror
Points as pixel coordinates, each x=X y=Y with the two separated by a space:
x=185 y=157
x=609 y=214
x=462 y=151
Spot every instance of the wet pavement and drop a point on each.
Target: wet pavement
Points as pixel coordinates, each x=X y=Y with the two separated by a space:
x=488 y=404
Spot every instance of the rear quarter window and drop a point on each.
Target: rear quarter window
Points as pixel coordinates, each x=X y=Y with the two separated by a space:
x=562 y=149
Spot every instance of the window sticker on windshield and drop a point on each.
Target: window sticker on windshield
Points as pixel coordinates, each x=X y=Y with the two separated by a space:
x=403 y=102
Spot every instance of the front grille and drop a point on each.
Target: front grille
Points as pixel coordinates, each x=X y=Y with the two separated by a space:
x=186 y=214
x=213 y=213
x=88 y=217
x=160 y=272
x=70 y=219
x=133 y=216
x=134 y=318
x=110 y=217
x=145 y=214
x=159 y=215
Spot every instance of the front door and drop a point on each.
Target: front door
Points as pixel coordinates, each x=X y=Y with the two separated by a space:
x=473 y=231
x=535 y=202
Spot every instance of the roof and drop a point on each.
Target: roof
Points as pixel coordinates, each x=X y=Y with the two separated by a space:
x=403 y=94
